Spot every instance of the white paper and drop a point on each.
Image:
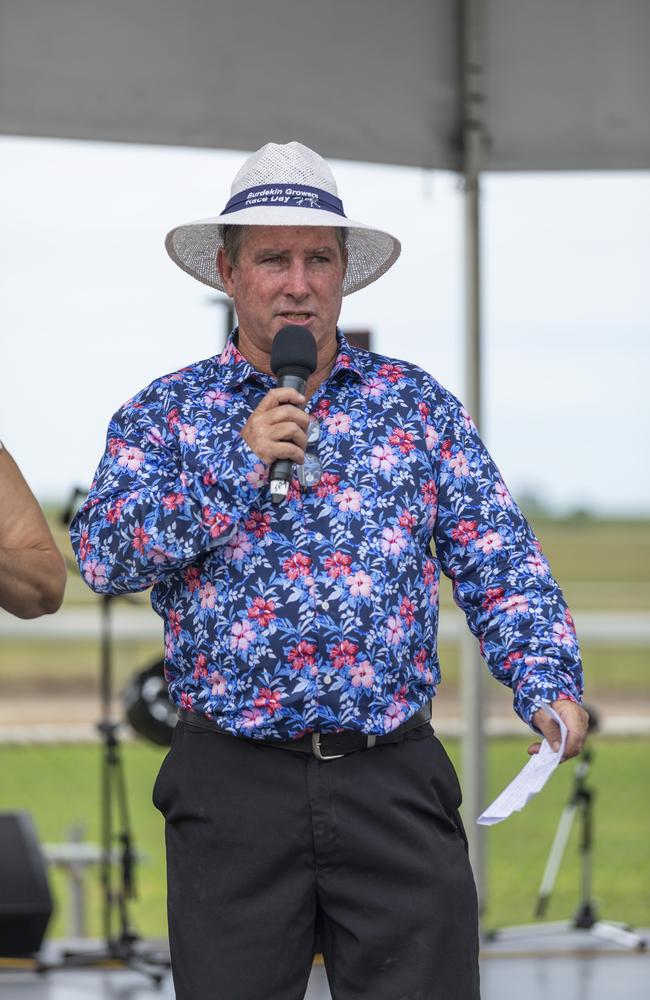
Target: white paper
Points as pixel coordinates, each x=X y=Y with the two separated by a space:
x=530 y=780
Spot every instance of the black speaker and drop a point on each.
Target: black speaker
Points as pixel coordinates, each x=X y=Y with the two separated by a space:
x=25 y=899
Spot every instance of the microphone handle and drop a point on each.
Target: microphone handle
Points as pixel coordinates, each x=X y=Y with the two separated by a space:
x=281 y=470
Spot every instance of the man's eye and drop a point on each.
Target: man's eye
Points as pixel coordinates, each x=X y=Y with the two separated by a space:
x=320 y=259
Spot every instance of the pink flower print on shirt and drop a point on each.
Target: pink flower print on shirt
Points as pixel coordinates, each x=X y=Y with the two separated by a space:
x=383 y=459
x=192 y=578
x=348 y=500
x=116 y=445
x=407 y=610
x=563 y=635
x=297 y=565
x=241 y=636
x=173 y=418
x=95 y=573
x=187 y=434
x=322 y=409
x=431 y=437
x=217 y=398
x=140 y=538
x=208 y=595
x=85 y=545
x=429 y=492
x=186 y=700
x=172 y=501
x=516 y=604
x=393 y=541
x=130 y=458
x=114 y=512
x=464 y=532
x=502 y=494
x=258 y=476
x=175 y=623
x=218 y=682
x=493 y=598
x=393 y=717
x=373 y=388
x=338 y=423
x=200 y=667
x=261 y=611
x=512 y=659
x=217 y=523
x=459 y=465
x=490 y=542
x=258 y=523
x=394 y=630
x=238 y=548
x=337 y=565
x=362 y=674
x=252 y=718
x=328 y=485
x=392 y=373
x=302 y=655
x=343 y=654
x=403 y=440
x=155 y=437
x=407 y=521
x=537 y=565
x=360 y=584
x=268 y=699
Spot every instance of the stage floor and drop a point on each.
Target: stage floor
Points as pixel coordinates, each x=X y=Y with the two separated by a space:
x=567 y=966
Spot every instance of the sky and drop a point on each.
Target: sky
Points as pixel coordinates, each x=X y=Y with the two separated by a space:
x=92 y=309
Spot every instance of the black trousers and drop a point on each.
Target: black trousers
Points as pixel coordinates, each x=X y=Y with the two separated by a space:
x=266 y=848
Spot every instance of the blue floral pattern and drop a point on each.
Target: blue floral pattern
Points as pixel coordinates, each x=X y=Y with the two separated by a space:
x=320 y=613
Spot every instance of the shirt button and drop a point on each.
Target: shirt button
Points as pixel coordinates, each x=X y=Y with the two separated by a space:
x=327 y=679
x=318 y=536
x=325 y=605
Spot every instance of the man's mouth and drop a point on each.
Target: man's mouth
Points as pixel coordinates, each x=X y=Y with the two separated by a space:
x=297 y=317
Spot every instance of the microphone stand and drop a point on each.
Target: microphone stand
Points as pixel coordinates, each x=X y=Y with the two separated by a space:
x=580 y=805
x=120 y=940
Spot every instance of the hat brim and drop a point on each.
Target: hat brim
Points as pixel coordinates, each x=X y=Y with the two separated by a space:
x=194 y=246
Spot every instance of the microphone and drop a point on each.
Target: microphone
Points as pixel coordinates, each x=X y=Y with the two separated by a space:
x=293 y=360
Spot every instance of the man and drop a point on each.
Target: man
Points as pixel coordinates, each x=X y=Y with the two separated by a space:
x=305 y=788
x=32 y=571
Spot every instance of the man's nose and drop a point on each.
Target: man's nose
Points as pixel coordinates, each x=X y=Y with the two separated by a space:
x=297 y=280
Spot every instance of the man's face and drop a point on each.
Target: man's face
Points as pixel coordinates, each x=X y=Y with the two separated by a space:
x=286 y=274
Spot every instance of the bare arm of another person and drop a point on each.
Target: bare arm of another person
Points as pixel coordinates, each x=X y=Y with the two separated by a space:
x=32 y=571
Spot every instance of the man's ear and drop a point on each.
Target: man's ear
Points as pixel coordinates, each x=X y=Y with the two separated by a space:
x=225 y=269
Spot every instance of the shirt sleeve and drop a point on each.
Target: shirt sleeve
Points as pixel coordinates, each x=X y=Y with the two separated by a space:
x=154 y=507
x=501 y=579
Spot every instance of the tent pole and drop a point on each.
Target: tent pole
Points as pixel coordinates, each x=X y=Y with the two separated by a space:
x=473 y=768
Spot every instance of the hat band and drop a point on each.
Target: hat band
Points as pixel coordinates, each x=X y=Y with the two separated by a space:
x=283 y=196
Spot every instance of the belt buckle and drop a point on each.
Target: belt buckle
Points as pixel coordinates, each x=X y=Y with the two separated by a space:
x=315 y=745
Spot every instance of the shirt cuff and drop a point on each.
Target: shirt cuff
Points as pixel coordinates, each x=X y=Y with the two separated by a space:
x=532 y=690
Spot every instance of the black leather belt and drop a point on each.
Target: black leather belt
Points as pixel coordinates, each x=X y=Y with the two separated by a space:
x=324 y=746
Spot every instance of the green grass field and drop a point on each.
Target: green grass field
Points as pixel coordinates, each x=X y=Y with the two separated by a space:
x=58 y=785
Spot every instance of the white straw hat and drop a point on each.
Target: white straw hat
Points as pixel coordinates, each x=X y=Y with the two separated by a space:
x=283 y=185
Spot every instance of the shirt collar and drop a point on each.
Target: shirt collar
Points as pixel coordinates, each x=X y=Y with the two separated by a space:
x=234 y=369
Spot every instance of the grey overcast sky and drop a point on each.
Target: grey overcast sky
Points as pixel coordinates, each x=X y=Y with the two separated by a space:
x=92 y=309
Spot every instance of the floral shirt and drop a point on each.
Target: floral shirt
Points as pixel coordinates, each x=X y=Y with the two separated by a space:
x=320 y=613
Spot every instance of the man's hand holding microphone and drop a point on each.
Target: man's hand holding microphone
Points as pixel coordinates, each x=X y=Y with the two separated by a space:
x=277 y=429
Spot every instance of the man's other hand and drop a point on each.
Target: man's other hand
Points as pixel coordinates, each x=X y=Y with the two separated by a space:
x=574 y=718
x=278 y=427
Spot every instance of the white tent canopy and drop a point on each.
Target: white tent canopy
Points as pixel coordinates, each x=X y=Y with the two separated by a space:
x=566 y=82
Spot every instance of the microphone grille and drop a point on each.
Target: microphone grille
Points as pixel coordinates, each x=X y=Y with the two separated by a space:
x=293 y=347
